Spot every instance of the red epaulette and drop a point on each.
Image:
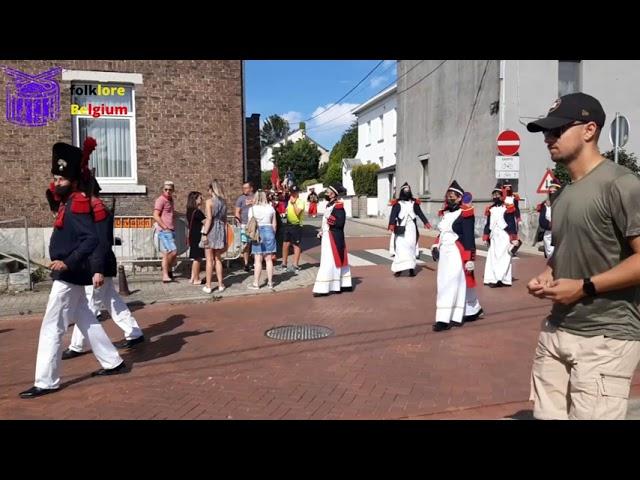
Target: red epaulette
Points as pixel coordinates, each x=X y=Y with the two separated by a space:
x=338 y=205
x=487 y=210
x=417 y=200
x=100 y=212
x=467 y=210
x=441 y=213
x=539 y=207
x=80 y=203
x=511 y=208
x=392 y=202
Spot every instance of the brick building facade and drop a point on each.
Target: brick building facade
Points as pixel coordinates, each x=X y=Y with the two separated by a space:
x=185 y=123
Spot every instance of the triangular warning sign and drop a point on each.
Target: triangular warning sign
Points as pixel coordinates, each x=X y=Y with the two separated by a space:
x=546 y=181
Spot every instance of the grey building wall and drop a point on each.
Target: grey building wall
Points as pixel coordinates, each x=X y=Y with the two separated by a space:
x=433 y=114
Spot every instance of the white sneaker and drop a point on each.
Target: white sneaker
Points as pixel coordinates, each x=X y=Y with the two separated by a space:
x=207 y=290
x=251 y=286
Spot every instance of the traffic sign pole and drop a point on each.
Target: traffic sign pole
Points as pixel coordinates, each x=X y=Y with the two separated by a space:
x=615 y=147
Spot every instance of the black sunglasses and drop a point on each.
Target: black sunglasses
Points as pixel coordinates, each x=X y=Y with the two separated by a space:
x=557 y=132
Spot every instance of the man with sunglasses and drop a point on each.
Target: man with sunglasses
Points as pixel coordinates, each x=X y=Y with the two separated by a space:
x=589 y=345
x=163 y=213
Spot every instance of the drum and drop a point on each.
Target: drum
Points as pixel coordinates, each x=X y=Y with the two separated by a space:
x=33 y=100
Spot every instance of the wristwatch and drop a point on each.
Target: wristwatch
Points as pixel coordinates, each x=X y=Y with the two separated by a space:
x=589 y=288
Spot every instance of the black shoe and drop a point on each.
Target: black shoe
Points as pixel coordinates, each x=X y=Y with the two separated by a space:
x=346 y=289
x=472 y=318
x=34 y=392
x=109 y=371
x=320 y=294
x=493 y=285
x=397 y=274
x=247 y=268
x=412 y=273
x=171 y=274
x=440 y=326
x=68 y=353
x=130 y=343
x=457 y=324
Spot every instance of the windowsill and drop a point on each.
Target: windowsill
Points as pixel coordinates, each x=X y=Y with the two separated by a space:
x=121 y=188
x=381 y=140
x=368 y=145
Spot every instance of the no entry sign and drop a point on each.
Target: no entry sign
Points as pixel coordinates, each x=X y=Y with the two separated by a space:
x=508 y=143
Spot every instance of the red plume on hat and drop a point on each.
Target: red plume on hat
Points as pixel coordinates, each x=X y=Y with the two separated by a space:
x=87 y=149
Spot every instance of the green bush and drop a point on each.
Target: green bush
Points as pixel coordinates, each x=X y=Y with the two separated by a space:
x=365 y=179
x=334 y=174
x=307 y=183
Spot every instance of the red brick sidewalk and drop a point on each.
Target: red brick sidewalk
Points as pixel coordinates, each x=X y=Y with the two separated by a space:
x=213 y=360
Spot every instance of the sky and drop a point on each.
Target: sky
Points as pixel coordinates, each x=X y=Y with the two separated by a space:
x=300 y=89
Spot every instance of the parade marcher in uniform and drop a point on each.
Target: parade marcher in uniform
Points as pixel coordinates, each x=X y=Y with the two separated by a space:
x=106 y=294
x=73 y=240
x=544 y=219
x=392 y=239
x=404 y=225
x=334 y=274
x=312 y=198
x=499 y=233
x=455 y=252
x=512 y=201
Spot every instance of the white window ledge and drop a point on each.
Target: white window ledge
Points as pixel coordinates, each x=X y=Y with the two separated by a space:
x=121 y=188
x=92 y=76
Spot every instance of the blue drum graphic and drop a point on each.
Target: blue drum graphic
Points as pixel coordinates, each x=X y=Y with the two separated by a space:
x=33 y=100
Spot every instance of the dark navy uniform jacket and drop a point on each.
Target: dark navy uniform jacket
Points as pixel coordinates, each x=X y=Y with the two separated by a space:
x=73 y=240
x=103 y=260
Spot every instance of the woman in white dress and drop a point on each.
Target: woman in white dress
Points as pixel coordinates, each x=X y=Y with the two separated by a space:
x=404 y=225
x=455 y=252
x=501 y=235
x=544 y=220
x=334 y=274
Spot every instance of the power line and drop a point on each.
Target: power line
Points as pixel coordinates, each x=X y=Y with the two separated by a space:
x=344 y=113
x=385 y=88
x=346 y=94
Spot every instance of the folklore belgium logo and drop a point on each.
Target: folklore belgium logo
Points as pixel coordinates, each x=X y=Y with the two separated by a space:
x=32 y=100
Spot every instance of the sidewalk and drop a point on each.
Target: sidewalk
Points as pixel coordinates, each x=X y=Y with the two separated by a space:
x=148 y=289
x=382 y=223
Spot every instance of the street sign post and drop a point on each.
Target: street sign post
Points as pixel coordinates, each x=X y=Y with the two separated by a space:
x=619 y=133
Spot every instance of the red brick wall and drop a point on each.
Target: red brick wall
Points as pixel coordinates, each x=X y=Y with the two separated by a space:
x=188 y=128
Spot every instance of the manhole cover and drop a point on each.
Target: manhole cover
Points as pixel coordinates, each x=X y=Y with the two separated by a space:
x=299 y=332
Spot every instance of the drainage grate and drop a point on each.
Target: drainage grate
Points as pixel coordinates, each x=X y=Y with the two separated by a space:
x=299 y=332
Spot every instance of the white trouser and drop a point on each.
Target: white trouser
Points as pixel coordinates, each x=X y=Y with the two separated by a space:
x=107 y=296
x=93 y=301
x=68 y=302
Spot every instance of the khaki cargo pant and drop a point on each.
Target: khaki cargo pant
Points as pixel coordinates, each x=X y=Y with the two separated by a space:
x=581 y=378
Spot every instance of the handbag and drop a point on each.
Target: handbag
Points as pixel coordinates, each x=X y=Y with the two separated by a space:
x=400 y=229
x=253 y=232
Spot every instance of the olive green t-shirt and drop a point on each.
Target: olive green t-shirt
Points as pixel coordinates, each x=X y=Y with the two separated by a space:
x=593 y=219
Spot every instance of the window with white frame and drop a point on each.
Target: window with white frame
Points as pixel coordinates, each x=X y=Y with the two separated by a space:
x=569 y=77
x=381 y=132
x=368 y=137
x=393 y=119
x=106 y=112
x=424 y=178
x=380 y=161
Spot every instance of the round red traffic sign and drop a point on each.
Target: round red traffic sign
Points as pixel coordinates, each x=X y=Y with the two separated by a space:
x=508 y=143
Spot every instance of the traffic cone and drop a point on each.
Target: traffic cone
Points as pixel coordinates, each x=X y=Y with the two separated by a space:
x=122 y=282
